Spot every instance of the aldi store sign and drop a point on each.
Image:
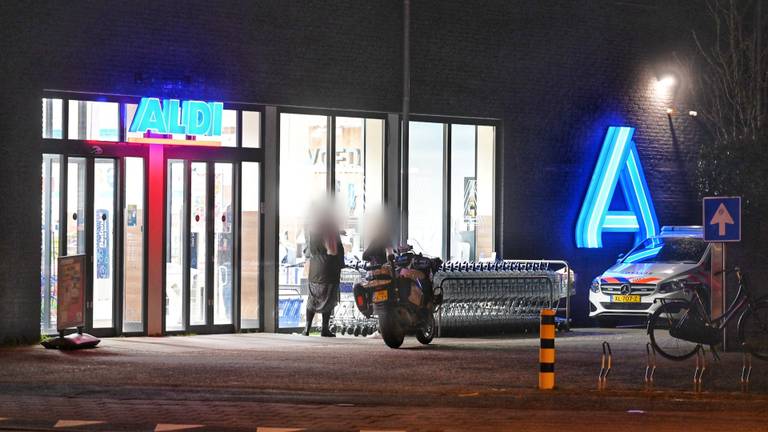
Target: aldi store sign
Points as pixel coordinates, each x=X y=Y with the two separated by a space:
x=618 y=165
x=174 y=117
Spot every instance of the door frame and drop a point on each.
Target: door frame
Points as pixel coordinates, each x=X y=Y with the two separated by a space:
x=210 y=156
x=91 y=151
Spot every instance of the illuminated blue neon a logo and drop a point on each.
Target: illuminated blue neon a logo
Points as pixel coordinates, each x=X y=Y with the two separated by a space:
x=618 y=164
x=176 y=117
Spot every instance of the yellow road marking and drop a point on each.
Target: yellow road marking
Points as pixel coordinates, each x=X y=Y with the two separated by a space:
x=76 y=423
x=167 y=427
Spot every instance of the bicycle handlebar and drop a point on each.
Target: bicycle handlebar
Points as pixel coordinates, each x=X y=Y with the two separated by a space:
x=731 y=270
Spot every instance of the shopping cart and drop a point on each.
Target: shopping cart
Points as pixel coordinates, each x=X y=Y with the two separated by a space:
x=346 y=318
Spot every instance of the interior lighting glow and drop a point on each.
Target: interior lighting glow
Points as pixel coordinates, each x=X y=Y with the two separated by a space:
x=618 y=164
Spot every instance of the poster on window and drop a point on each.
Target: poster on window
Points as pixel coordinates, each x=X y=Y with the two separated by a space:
x=193 y=250
x=102 y=244
x=470 y=199
x=132 y=215
x=71 y=301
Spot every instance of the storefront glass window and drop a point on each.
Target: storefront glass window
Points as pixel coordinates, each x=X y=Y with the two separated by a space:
x=425 y=188
x=52 y=118
x=103 y=241
x=250 y=219
x=198 y=227
x=486 y=180
x=223 y=244
x=76 y=169
x=463 y=210
x=90 y=120
x=251 y=129
x=133 y=246
x=51 y=178
x=175 y=240
x=229 y=128
x=358 y=168
x=303 y=180
x=472 y=182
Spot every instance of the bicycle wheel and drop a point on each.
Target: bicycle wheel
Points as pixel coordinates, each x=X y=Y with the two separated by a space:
x=662 y=320
x=753 y=330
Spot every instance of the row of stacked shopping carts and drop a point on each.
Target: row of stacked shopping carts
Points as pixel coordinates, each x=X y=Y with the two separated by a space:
x=478 y=297
x=502 y=295
x=347 y=319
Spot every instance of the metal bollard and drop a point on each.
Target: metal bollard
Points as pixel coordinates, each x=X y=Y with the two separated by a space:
x=605 y=366
x=650 y=366
x=746 y=371
x=701 y=366
x=547 y=350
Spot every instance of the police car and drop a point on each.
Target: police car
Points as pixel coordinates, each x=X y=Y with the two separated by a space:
x=659 y=267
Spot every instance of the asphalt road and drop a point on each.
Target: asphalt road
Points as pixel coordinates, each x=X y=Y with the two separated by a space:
x=251 y=381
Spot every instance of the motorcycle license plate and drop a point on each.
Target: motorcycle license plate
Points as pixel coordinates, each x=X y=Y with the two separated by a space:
x=626 y=299
x=380 y=296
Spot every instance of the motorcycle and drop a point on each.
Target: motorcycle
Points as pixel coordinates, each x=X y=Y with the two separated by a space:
x=402 y=296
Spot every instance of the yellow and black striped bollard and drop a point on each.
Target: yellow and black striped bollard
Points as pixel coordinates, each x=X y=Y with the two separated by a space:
x=547 y=350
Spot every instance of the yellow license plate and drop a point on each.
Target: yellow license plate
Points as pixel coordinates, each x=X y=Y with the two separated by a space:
x=380 y=296
x=626 y=299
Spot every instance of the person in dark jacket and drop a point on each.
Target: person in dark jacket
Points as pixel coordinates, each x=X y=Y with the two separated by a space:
x=326 y=260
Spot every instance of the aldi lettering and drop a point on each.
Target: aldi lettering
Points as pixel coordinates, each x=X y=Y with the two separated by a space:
x=173 y=116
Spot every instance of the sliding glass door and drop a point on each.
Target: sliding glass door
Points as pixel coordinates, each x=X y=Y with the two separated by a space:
x=203 y=227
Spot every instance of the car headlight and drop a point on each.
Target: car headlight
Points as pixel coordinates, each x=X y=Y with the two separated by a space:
x=595 y=287
x=671 y=286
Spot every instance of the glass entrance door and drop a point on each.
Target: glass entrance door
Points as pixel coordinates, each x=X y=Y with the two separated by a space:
x=133 y=245
x=103 y=249
x=200 y=244
x=95 y=207
x=211 y=240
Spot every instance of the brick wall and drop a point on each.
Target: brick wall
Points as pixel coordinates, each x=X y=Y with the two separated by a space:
x=556 y=72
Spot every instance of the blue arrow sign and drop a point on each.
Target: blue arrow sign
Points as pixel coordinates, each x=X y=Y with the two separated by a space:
x=722 y=219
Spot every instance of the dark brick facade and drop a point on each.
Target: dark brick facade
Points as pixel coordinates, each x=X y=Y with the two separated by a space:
x=557 y=73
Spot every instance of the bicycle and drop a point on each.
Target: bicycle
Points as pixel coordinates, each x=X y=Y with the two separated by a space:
x=678 y=327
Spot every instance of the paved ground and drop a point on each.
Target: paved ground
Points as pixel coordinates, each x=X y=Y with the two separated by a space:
x=261 y=381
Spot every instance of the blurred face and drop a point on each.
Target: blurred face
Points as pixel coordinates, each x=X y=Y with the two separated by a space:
x=323 y=216
x=377 y=225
